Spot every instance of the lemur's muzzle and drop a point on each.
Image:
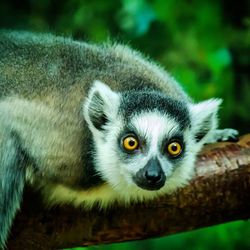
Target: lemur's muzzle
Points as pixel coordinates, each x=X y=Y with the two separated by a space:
x=151 y=177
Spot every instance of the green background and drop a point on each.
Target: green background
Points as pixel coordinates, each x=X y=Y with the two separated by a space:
x=205 y=46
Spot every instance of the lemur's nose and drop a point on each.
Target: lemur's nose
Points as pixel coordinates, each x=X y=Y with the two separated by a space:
x=153 y=176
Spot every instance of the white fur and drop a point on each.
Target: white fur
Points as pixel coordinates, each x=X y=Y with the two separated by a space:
x=155 y=126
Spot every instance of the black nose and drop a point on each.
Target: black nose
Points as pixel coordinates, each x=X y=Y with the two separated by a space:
x=153 y=175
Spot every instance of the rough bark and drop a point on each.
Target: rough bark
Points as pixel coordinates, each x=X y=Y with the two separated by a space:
x=220 y=192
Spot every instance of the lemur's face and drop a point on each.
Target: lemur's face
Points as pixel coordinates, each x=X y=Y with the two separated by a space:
x=149 y=148
x=145 y=142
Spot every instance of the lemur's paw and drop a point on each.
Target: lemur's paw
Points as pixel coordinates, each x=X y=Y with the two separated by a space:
x=228 y=134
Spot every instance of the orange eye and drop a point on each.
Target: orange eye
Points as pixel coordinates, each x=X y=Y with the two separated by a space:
x=130 y=143
x=174 y=148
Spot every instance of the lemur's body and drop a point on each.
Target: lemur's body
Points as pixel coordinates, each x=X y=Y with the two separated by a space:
x=63 y=130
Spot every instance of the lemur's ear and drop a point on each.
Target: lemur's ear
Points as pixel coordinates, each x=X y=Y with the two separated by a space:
x=204 y=118
x=100 y=106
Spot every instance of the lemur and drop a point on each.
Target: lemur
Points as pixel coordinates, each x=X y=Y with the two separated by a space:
x=93 y=124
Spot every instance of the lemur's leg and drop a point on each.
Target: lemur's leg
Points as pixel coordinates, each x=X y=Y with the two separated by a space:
x=227 y=134
x=12 y=179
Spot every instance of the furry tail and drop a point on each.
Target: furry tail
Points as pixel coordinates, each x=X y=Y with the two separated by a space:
x=12 y=179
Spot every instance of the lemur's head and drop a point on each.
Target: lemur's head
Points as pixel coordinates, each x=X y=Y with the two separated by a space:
x=146 y=142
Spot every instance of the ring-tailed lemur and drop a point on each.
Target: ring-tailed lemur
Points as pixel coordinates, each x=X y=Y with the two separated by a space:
x=93 y=124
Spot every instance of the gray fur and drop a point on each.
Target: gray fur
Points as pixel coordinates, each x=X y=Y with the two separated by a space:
x=12 y=177
x=55 y=114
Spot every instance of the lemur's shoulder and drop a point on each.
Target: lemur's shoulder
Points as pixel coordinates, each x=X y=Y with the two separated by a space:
x=46 y=60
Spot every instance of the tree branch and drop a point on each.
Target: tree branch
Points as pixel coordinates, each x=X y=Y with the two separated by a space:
x=220 y=192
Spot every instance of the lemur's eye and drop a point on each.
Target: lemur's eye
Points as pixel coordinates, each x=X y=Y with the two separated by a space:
x=174 y=148
x=130 y=143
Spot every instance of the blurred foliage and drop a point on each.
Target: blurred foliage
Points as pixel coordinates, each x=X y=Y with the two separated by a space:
x=230 y=236
x=204 y=44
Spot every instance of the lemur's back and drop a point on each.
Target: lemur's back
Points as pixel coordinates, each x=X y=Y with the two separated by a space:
x=36 y=65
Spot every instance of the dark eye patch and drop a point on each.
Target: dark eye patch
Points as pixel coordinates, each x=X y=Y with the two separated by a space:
x=129 y=129
x=174 y=138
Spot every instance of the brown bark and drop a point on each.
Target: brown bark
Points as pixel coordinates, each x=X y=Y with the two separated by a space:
x=220 y=192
